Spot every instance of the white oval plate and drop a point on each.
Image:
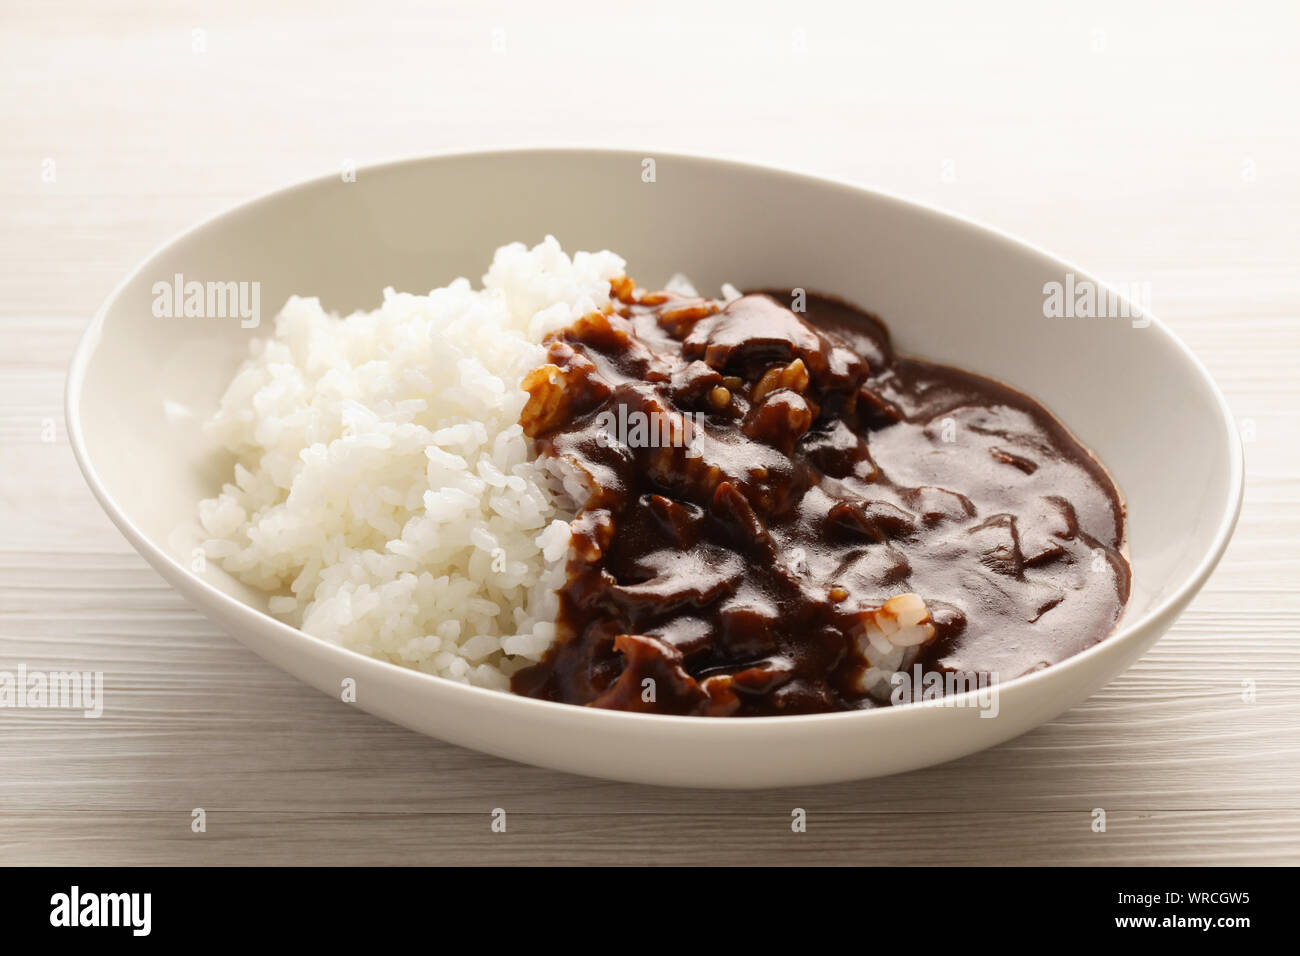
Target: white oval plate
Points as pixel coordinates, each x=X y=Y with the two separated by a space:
x=949 y=290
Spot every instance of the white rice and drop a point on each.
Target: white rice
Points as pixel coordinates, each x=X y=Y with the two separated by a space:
x=384 y=491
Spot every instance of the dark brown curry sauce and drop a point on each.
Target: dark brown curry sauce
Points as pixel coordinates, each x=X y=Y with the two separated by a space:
x=801 y=474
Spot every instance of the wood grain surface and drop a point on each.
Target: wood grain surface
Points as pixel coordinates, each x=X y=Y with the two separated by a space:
x=1152 y=143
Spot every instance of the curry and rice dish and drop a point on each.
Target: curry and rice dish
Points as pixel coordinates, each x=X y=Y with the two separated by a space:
x=578 y=490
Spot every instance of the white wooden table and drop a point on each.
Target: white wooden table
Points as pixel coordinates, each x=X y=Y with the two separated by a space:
x=1148 y=147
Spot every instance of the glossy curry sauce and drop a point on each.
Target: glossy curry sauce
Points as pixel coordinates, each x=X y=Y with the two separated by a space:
x=793 y=474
